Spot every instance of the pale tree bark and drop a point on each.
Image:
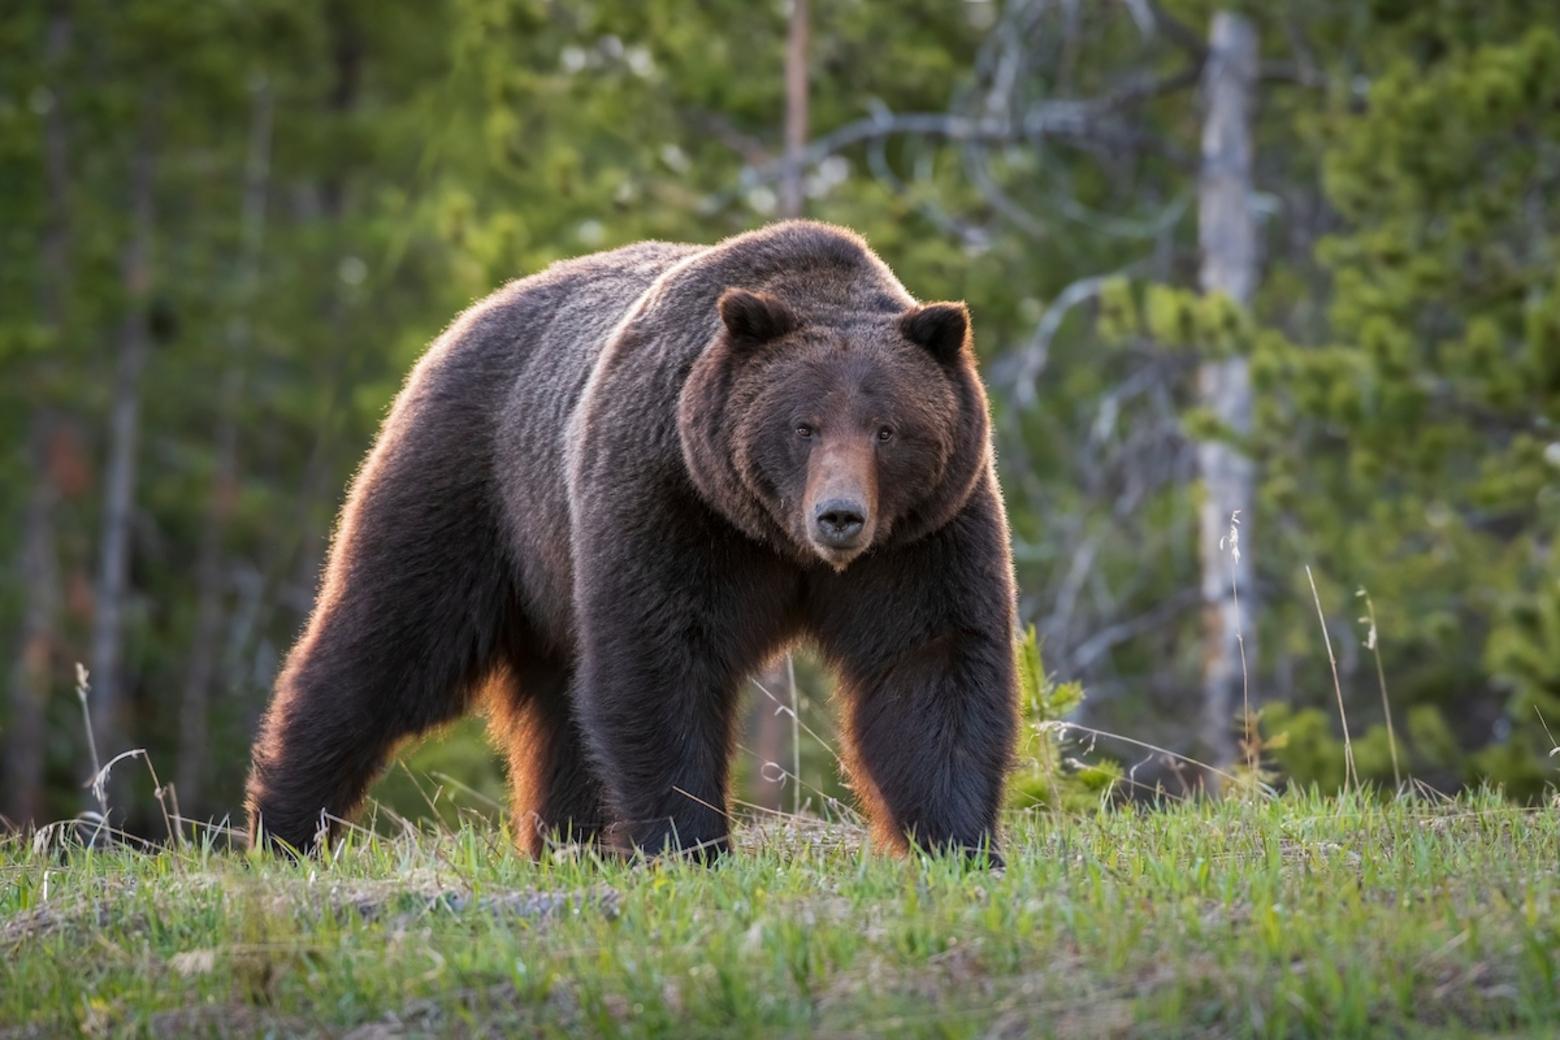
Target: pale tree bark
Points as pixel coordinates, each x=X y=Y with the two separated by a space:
x=32 y=668
x=1228 y=240
x=195 y=704
x=124 y=427
x=775 y=724
x=792 y=193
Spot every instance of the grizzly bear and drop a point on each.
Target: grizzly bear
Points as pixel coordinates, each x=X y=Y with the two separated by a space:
x=610 y=492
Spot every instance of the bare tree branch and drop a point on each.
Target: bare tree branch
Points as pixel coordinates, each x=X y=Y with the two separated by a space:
x=1067 y=119
x=1036 y=353
x=1105 y=639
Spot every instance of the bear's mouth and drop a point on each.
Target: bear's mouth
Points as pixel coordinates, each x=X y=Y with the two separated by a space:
x=839 y=556
x=836 y=558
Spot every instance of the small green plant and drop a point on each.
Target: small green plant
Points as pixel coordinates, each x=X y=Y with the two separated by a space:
x=1047 y=776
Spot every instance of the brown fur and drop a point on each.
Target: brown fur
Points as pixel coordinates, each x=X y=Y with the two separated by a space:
x=610 y=491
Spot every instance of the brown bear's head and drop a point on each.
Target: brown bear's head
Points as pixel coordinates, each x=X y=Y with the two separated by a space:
x=829 y=437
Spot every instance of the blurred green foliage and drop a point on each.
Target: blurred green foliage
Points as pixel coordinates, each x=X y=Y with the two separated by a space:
x=1409 y=454
x=1406 y=411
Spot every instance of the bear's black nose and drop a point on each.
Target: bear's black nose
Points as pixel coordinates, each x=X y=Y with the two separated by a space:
x=838 y=523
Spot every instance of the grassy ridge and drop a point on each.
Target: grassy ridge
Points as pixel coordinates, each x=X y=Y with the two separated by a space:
x=1301 y=916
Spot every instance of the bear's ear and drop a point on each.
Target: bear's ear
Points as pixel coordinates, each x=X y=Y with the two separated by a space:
x=942 y=329
x=754 y=318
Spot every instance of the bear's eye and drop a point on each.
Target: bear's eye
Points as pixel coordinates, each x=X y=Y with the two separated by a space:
x=804 y=431
x=885 y=433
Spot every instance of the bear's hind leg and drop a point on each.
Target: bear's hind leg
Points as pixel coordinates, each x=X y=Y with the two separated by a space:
x=408 y=622
x=343 y=703
x=555 y=793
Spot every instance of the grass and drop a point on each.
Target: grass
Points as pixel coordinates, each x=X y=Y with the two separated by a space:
x=1296 y=916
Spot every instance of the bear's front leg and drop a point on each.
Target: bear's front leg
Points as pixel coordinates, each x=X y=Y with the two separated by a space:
x=922 y=639
x=674 y=612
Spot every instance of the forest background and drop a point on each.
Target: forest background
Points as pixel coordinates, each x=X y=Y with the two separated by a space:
x=1294 y=261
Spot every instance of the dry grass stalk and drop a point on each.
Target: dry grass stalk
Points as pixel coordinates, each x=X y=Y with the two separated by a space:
x=1350 y=775
x=1371 y=644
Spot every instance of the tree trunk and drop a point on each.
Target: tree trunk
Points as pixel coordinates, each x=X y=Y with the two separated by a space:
x=123 y=436
x=1227 y=236
x=792 y=196
x=194 y=710
x=32 y=668
x=774 y=731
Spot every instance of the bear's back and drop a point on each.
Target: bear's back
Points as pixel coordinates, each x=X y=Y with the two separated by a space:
x=552 y=328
